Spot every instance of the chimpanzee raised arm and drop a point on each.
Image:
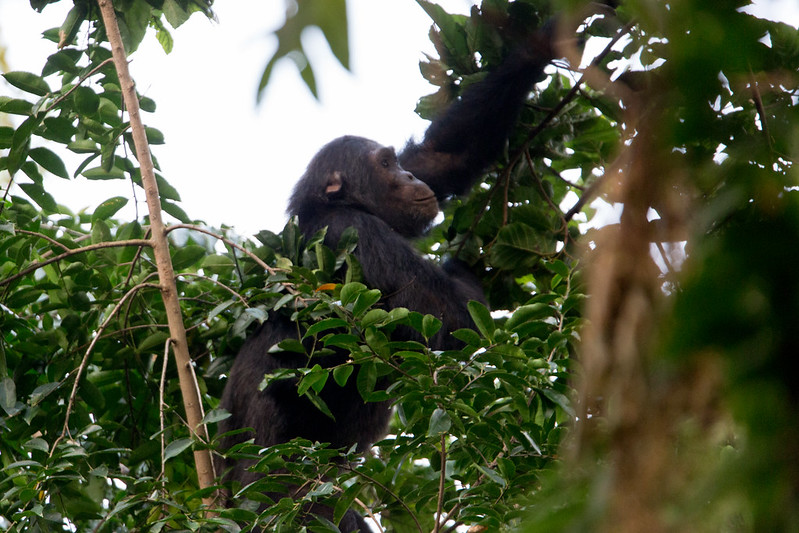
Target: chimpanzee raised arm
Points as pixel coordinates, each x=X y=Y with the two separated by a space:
x=460 y=144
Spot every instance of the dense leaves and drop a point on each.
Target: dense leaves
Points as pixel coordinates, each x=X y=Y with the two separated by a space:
x=705 y=112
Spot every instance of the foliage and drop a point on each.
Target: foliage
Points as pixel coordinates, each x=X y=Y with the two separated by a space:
x=330 y=16
x=477 y=432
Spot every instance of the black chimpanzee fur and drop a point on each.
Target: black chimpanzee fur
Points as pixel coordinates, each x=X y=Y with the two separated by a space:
x=355 y=182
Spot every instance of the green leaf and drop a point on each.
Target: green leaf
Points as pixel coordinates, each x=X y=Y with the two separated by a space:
x=166 y=190
x=49 y=161
x=440 y=423
x=526 y=313
x=147 y=104
x=174 y=13
x=15 y=106
x=452 y=34
x=85 y=146
x=374 y=317
x=86 y=101
x=364 y=301
x=31 y=170
x=320 y=404
x=42 y=391
x=482 y=319
x=174 y=448
x=518 y=245
x=99 y=173
x=72 y=23
x=175 y=210
x=108 y=208
x=367 y=379
x=154 y=136
x=92 y=395
x=6 y=136
x=152 y=342
x=187 y=256
x=342 y=373
x=430 y=326
x=163 y=36
x=350 y=291
x=559 y=399
x=215 y=415
x=291 y=345
x=492 y=475
x=20 y=144
x=37 y=193
x=324 y=325
x=63 y=61
x=133 y=24
x=8 y=395
x=331 y=17
x=218 y=264
x=28 y=82
x=558 y=267
x=37 y=444
x=315 y=379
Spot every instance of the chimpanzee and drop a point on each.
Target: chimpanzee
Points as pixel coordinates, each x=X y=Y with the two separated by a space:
x=388 y=199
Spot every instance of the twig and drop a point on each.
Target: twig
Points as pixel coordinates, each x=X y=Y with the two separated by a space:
x=5 y=194
x=80 y=81
x=89 y=350
x=161 y=409
x=59 y=257
x=441 y=484
x=136 y=257
x=387 y=491
x=761 y=111
x=206 y=278
x=45 y=237
x=578 y=84
x=225 y=240
x=589 y=194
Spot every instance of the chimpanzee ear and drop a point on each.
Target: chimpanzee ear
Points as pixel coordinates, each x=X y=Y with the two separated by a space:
x=334 y=183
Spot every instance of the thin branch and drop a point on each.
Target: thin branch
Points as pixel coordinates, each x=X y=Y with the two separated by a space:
x=136 y=257
x=45 y=237
x=5 y=194
x=59 y=257
x=578 y=84
x=590 y=193
x=388 y=491
x=441 y=484
x=541 y=189
x=161 y=409
x=761 y=111
x=206 y=278
x=225 y=240
x=85 y=360
x=80 y=82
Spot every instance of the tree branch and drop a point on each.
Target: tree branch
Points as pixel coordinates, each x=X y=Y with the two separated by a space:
x=89 y=350
x=59 y=257
x=232 y=244
x=188 y=383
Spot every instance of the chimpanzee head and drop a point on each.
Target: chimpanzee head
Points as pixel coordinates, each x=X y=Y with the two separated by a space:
x=362 y=174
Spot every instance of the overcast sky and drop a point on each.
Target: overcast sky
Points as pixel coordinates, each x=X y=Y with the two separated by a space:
x=232 y=161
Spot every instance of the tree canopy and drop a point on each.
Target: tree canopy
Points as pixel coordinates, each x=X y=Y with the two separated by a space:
x=634 y=376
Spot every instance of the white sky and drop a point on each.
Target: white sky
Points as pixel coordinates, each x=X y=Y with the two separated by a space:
x=234 y=162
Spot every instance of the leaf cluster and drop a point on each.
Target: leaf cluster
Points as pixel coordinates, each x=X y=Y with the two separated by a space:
x=475 y=440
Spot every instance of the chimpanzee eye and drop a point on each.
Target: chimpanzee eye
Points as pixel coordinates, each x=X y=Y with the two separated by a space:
x=384 y=162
